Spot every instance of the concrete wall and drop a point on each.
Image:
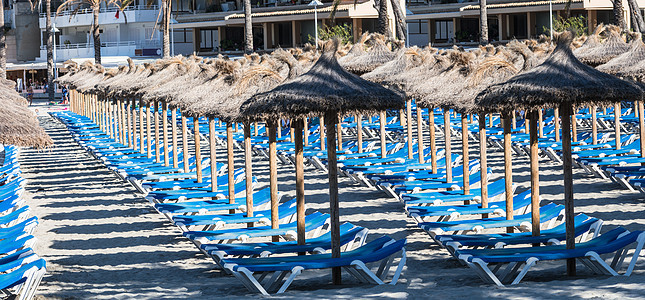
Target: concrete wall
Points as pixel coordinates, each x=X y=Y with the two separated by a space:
x=27 y=33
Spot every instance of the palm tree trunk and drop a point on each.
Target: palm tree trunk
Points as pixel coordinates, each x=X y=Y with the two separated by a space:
x=382 y=23
x=165 y=27
x=399 y=20
x=483 y=22
x=637 y=17
x=248 y=27
x=3 y=44
x=618 y=14
x=96 y=34
x=50 y=50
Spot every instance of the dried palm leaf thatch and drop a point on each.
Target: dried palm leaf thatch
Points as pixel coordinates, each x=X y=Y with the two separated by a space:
x=87 y=83
x=166 y=90
x=440 y=89
x=19 y=126
x=125 y=86
x=560 y=79
x=326 y=87
x=357 y=50
x=626 y=61
x=591 y=42
x=613 y=46
x=405 y=59
x=167 y=70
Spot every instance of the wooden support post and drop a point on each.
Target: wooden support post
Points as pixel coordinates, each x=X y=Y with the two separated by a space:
x=420 y=133
x=641 y=126
x=514 y=125
x=230 y=166
x=128 y=123
x=433 y=142
x=483 y=161
x=448 y=146
x=568 y=186
x=332 y=169
x=198 y=151
x=382 y=132
x=359 y=132
x=273 y=176
x=305 y=131
x=535 y=174
x=574 y=127
x=464 y=150
x=408 y=117
x=141 y=127
x=149 y=131
x=508 y=172
x=155 y=115
x=133 y=106
x=540 y=124
x=300 y=182
x=321 y=127
x=339 y=133
x=213 y=153
x=184 y=142
x=617 y=113
x=594 y=125
x=164 y=124
x=248 y=170
x=556 y=120
x=256 y=129
x=173 y=127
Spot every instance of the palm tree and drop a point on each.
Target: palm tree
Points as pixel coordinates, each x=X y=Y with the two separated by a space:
x=3 y=44
x=483 y=22
x=618 y=14
x=96 y=9
x=637 y=18
x=248 y=27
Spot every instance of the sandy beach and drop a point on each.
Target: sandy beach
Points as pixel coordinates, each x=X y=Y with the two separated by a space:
x=102 y=240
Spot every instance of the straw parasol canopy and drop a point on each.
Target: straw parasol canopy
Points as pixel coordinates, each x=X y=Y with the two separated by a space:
x=627 y=60
x=406 y=58
x=377 y=56
x=613 y=46
x=19 y=126
x=561 y=78
x=591 y=42
x=326 y=87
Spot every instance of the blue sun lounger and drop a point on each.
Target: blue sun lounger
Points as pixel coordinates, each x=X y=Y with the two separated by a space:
x=21 y=274
x=520 y=260
x=186 y=194
x=495 y=190
x=354 y=262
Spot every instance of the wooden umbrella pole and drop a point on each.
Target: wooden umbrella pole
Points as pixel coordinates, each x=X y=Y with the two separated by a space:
x=408 y=117
x=108 y=111
x=255 y=129
x=483 y=161
x=198 y=151
x=420 y=133
x=155 y=117
x=321 y=128
x=230 y=166
x=279 y=129
x=514 y=120
x=164 y=123
x=130 y=125
x=134 y=124
x=305 y=128
x=556 y=122
x=568 y=185
x=604 y=110
x=433 y=142
x=291 y=133
x=99 y=108
x=464 y=150
x=508 y=172
x=248 y=170
x=574 y=126
x=401 y=118
x=184 y=142
x=122 y=123
x=490 y=120
x=448 y=146
x=141 y=128
x=273 y=177
x=617 y=124
x=641 y=126
x=594 y=125
x=213 y=153
x=300 y=182
x=173 y=128
x=382 y=131
x=117 y=122
x=332 y=169
x=535 y=175
x=148 y=132
x=339 y=133
x=359 y=132
x=540 y=124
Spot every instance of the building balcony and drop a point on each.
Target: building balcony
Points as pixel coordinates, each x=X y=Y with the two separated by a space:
x=86 y=50
x=83 y=17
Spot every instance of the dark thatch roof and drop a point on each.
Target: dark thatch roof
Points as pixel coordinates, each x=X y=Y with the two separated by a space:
x=613 y=46
x=19 y=126
x=561 y=78
x=627 y=60
x=377 y=56
x=326 y=87
x=591 y=42
x=406 y=58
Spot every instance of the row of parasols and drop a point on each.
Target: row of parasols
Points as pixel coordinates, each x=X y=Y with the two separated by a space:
x=298 y=84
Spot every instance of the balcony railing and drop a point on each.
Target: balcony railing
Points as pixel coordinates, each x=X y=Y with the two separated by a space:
x=91 y=45
x=112 y=9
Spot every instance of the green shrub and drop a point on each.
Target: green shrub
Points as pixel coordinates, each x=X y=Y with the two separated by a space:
x=576 y=24
x=344 y=32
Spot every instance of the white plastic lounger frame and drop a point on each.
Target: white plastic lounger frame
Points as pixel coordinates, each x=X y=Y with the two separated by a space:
x=513 y=274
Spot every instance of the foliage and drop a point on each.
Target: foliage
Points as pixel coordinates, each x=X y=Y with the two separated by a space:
x=344 y=32
x=576 y=24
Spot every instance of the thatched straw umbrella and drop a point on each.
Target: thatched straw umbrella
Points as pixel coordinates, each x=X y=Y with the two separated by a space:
x=377 y=56
x=613 y=46
x=562 y=81
x=326 y=88
x=19 y=126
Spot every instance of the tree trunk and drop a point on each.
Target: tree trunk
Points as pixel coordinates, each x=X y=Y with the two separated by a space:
x=248 y=27
x=618 y=14
x=96 y=34
x=3 y=44
x=483 y=22
x=637 y=17
x=399 y=21
x=382 y=23
x=50 y=51
x=165 y=27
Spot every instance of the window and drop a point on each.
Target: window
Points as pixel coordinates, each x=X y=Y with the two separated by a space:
x=208 y=38
x=443 y=30
x=418 y=27
x=149 y=34
x=183 y=35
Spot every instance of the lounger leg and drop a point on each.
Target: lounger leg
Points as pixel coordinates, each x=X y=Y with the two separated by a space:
x=529 y=263
x=360 y=267
x=247 y=279
x=637 y=251
x=600 y=263
x=484 y=272
x=294 y=272
x=275 y=280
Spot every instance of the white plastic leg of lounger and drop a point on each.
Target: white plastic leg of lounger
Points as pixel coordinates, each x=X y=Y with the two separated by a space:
x=484 y=272
x=247 y=279
x=274 y=282
x=602 y=266
x=529 y=263
x=637 y=251
x=366 y=273
x=399 y=268
x=294 y=272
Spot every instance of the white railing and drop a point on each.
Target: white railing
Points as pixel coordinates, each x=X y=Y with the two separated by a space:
x=91 y=45
x=113 y=9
